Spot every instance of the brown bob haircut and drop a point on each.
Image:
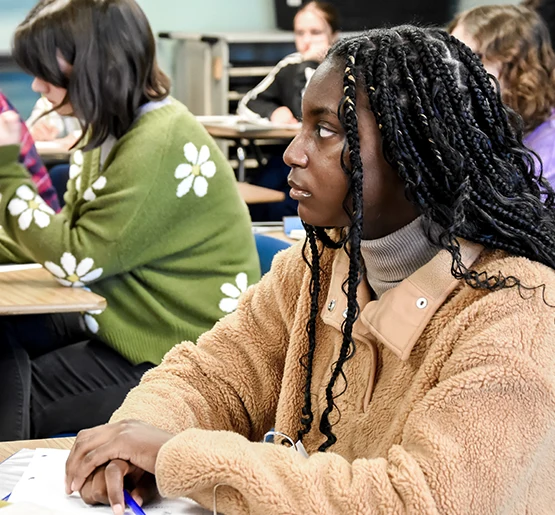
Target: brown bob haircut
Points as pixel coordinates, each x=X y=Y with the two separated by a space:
x=327 y=10
x=516 y=37
x=112 y=51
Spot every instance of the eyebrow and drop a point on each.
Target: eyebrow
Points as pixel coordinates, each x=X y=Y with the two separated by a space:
x=319 y=111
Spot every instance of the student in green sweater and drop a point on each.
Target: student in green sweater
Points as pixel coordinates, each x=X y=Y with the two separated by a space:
x=153 y=221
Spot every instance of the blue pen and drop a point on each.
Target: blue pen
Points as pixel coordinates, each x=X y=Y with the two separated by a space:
x=132 y=504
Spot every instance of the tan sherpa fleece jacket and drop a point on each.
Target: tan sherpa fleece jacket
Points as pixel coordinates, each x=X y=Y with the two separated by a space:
x=449 y=408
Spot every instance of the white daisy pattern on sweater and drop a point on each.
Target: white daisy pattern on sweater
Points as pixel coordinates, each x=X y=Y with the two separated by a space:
x=72 y=274
x=88 y=317
x=232 y=293
x=29 y=206
x=90 y=321
x=196 y=172
x=76 y=168
x=96 y=186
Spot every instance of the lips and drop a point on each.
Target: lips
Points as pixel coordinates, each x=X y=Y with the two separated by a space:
x=298 y=192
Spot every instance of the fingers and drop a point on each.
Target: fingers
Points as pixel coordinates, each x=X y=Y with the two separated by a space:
x=115 y=472
x=105 y=485
x=94 y=489
x=83 y=460
x=10 y=118
x=132 y=441
x=42 y=131
x=93 y=459
x=10 y=128
x=146 y=489
x=68 y=141
x=317 y=50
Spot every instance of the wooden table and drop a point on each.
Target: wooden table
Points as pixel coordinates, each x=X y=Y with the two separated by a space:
x=253 y=194
x=34 y=290
x=250 y=132
x=9 y=448
x=53 y=151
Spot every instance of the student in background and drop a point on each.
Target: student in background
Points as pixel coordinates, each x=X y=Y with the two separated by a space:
x=409 y=350
x=146 y=222
x=278 y=97
x=515 y=46
x=47 y=125
x=30 y=159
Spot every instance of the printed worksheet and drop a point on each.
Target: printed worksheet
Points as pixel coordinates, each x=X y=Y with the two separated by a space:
x=42 y=484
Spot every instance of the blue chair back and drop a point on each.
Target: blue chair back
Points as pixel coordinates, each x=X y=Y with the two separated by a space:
x=267 y=247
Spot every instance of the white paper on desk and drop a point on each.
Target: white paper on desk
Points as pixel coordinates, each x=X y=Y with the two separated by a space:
x=43 y=484
x=243 y=123
x=13 y=469
x=47 y=145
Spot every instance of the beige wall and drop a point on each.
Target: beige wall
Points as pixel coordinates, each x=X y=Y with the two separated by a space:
x=469 y=4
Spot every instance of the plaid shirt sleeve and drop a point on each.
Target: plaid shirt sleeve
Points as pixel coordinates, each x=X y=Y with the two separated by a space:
x=30 y=158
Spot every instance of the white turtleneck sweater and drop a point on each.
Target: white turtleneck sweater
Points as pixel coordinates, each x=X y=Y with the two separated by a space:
x=394 y=257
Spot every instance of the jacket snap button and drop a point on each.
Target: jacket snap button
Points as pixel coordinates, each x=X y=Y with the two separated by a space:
x=421 y=303
x=331 y=305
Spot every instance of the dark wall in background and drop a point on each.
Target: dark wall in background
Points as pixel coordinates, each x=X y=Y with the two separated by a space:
x=368 y=14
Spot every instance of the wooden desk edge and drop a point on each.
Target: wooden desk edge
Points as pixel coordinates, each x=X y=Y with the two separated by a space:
x=232 y=133
x=8 y=449
x=53 y=308
x=253 y=194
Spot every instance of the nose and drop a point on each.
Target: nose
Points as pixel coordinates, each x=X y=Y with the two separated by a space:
x=38 y=86
x=295 y=155
x=306 y=40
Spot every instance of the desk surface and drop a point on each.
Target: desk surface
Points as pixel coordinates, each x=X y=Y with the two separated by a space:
x=249 y=132
x=53 y=150
x=253 y=194
x=9 y=448
x=34 y=290
x=59 y=150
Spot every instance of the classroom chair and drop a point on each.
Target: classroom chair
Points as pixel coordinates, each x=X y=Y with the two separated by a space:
x=267 y=248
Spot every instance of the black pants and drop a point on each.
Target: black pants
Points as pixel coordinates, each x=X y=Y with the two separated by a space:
x=54 y=379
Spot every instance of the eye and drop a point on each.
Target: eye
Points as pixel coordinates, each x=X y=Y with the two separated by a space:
x=324 y=132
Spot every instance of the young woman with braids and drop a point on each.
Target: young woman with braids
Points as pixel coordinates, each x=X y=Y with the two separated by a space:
x=515 y=46
x=410 y=351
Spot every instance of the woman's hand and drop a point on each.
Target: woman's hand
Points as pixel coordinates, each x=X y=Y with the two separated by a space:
x=105 y=485
x=68 y=141
x=10 y=129
x=317 y=50
x=43 y=131
x=132 y=441
x=283 y=115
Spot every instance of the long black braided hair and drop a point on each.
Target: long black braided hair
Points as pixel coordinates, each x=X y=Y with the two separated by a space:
x=460 y=154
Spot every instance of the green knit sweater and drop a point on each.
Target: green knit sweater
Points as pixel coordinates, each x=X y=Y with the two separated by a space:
x=158 y=229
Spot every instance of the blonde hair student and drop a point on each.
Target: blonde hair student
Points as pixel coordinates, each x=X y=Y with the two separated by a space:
x=515 y=47
x=407 y=344
x=146 y=222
